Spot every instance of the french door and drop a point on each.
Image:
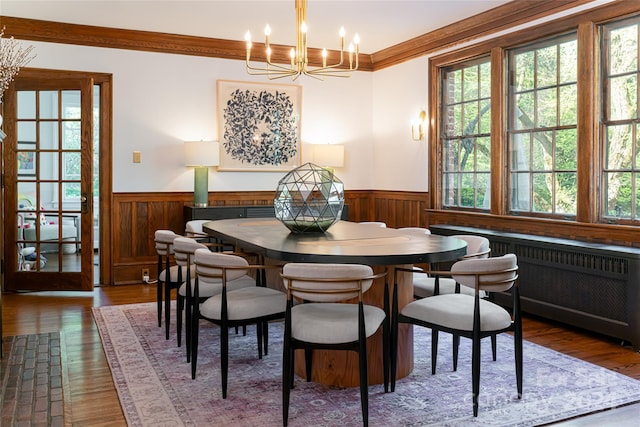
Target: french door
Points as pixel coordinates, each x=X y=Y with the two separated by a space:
x=48 y=177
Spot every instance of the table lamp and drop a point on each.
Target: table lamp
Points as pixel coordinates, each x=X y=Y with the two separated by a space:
x=201 y=155
x=328 y=156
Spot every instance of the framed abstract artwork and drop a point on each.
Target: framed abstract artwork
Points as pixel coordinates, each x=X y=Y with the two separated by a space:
x=258 y=126
x=26 y=158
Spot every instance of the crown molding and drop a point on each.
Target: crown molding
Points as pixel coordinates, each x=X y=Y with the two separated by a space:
x=500 y=18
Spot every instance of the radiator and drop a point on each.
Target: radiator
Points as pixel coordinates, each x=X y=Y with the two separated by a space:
x=588 y=285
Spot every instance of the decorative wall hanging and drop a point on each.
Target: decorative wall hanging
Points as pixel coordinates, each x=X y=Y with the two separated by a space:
x=259 y=126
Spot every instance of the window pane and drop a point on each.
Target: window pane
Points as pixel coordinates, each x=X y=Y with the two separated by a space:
x=470 y=120
x=542 y=201
x=544 y=159
x=523 y=115
x=566 y=190
x=622 y=42
x=624 y=101
x=547 y=108
x=619 y=147
x=566 y=150
x=546 y=66
x=620 y=121
x=466 y=125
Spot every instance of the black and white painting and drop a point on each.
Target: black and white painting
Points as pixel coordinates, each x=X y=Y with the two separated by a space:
x=259 y=126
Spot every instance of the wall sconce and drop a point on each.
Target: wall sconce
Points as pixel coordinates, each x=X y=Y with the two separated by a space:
x=328 y=156
x=201 y=155
x=422 y=119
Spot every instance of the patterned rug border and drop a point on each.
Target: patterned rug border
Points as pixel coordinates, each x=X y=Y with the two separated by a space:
x=163 y=398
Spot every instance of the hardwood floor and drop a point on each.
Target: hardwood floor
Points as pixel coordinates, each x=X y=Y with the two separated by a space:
x=93 y=399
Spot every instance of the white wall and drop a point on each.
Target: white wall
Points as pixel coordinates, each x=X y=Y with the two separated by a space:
x=400 y=93
x=161 y=100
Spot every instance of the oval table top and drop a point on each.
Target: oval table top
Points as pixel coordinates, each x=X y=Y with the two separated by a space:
x=344 y=242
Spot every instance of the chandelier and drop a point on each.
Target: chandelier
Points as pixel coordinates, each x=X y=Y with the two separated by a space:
x=299 y=57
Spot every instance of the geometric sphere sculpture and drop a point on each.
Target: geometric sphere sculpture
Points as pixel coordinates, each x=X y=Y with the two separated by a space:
x=309 y=199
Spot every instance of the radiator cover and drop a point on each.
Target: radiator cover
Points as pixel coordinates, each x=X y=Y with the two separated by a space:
x=589 y=285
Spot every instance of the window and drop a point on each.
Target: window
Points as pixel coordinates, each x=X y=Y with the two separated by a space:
x=621 y=123
x=542 y=128
x=466 y=140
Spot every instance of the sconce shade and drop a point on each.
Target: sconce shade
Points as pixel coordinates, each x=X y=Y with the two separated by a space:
x=201 y=153
x=328 y=155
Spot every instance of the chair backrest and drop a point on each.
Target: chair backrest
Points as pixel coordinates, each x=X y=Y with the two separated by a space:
x=211 y=267
x=495 y=274
x=184 y=249
x=327 y=282
x=193 y=228
x=164 y=241
x=374 y=223
x=477 y=246
x=415 y=230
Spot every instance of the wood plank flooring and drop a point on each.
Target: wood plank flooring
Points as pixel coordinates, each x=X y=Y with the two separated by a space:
x=93 y=399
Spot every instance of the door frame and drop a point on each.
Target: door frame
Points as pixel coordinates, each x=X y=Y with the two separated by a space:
x=105 y=152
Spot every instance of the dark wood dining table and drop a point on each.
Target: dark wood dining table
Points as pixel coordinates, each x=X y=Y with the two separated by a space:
x=384 y=249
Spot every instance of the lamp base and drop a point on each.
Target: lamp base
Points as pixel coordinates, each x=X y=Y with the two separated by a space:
x=201 y=187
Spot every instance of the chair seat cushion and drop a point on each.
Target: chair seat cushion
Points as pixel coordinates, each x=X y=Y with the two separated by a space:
x=211 y=288
x=424 y=286
x=456 y=311
x=173 y=274
x=332 y=323
x=246 y=303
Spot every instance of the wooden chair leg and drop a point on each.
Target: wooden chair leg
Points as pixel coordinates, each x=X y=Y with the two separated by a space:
x=179 y=312
x=167 y=307
x=494 y=347
x=265 y=338
x=287 y=377
x=394 y=338
x=259 y=333
x=194 y=342
x=364 y=382
x=434 y=350
x=159 y=299
x=475 y=374
x=456 y=347
x=224 y=358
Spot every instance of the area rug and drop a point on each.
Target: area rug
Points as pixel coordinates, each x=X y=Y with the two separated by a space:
x=155 y=387
x=32 y=380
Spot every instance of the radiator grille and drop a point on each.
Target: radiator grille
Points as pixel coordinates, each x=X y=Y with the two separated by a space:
x=605 y=264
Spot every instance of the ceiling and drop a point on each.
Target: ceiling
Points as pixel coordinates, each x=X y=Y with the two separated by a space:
x=379 y=23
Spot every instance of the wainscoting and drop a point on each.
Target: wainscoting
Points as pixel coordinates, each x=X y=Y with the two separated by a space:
x=135 y=217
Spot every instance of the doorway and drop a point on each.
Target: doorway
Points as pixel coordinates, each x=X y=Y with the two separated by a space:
x=54 y=186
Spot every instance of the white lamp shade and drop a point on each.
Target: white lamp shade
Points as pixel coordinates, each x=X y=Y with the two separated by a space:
x=201 y=153
x=328 y=155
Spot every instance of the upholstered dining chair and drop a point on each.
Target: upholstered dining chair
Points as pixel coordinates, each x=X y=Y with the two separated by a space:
x=184 y=249
x=234 y=305
x=167 y=274
x=428 y=285
x=466 y=315
x=326 y=319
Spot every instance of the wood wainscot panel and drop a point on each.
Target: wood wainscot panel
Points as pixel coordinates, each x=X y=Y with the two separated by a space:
x=136 y=216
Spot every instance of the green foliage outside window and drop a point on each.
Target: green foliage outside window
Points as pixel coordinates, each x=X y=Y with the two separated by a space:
x=542 y=127
x=621 y=177
x=466 y=121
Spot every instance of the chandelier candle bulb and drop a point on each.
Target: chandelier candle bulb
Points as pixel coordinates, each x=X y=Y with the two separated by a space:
x=299 y=56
